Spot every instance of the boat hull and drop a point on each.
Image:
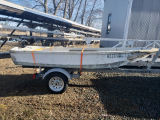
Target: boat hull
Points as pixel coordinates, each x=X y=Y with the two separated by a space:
x=92 y=58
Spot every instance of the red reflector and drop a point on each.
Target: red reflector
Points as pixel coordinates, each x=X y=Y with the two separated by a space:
x=34 y=76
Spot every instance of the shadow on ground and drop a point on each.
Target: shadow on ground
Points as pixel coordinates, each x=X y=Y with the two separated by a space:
x=4 y=56
x=21 y=85
x=25 y=85
x=130 y=96
x=137 y=97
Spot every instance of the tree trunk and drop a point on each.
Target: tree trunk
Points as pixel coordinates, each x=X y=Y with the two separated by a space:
x=56 y=6
x=46 y=6
x=84 y=10
x=72 y=6
x=65 y=10
x=70 y=9
x=78 y=10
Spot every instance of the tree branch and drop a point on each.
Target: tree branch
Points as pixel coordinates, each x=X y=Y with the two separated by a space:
x=40 y=2
x=36 y=6
x=89 y=19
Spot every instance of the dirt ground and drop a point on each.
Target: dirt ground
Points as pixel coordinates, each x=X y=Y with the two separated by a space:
x=113 y=96
x=6 y=47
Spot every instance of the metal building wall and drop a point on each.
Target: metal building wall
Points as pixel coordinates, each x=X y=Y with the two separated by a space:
x=118 y=10
x=145 y=20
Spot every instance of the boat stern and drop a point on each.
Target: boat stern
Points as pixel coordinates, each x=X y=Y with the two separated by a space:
x=12 y=54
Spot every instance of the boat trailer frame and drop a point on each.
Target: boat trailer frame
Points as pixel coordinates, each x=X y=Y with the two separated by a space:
x=56 y=76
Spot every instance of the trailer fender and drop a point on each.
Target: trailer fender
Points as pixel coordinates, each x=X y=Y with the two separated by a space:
x=58 y=70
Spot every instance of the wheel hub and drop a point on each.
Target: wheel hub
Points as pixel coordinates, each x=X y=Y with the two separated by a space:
x=56 y=84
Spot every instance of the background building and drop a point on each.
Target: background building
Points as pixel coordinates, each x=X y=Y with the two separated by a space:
x=130 y=19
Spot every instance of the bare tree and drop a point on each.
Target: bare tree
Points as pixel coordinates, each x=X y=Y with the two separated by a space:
x=44 y=4
x=71 y=6
x=90 y=16
x=78 y=10
x=83 y=12
x=65 y=10
x=88 y=12
x=56 y=6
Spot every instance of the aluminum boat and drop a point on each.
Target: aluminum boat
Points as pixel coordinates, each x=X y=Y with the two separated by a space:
x=88 y=58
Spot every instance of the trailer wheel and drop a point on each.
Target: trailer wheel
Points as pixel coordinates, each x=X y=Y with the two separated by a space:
x=57 y=83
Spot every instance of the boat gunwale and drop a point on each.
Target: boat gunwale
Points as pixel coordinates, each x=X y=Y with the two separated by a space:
x=86 y=50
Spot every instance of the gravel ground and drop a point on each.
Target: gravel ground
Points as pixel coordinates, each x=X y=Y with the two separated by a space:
x=114 y=96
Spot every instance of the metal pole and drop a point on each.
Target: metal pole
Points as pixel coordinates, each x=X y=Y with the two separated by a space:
x=153 y=60
x=11 y=34
x=17 y=26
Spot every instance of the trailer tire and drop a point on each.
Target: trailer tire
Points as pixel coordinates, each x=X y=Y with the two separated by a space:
x=57 y=83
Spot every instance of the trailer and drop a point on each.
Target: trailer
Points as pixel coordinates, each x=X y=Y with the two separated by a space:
x=57 y=77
